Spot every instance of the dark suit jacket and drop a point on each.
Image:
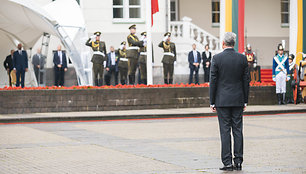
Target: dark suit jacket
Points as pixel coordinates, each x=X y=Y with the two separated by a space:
x=56 y=59
x=8 y=63
x=206 y=59
x=20 y=61
x=191 y=58
x=229 y=83
x=109 y=60
x=38 y=61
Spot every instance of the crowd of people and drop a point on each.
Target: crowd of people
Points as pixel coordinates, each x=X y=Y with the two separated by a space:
x=123 y=63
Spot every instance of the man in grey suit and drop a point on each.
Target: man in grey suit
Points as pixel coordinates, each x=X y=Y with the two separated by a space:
x=38 y=62
x=229 y=90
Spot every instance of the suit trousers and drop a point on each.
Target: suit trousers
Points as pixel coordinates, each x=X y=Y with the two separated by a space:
x=108 y=76
x=196 y=74
x=20 y=74
x=59 y=74
x=230 y=121
x=206 y=74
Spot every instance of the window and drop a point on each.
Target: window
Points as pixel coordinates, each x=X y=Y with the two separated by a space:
x=215 y=9
x=127 y=10
x=174 y=10
x=285 y=13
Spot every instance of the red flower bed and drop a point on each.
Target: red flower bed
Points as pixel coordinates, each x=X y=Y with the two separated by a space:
x=124 y=86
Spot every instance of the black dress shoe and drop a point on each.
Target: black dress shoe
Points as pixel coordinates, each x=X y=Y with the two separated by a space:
x=227 y=168
x=238 y=166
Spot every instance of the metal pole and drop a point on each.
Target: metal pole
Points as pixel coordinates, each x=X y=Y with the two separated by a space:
x=149 y=43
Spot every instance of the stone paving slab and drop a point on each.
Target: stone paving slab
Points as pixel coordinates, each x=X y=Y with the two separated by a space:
x=139 y=114
x=273 y=144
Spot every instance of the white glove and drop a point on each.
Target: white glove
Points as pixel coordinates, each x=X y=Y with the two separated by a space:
x=142 y=38
x=144 y=44
x=174 y=62
x=274 y=79
x=254 y=65
x=288 y=78
x=93 y=37
x=121 y=47
x=165 y=38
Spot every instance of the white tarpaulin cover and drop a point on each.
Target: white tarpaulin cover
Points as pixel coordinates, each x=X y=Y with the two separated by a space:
x=23 y=21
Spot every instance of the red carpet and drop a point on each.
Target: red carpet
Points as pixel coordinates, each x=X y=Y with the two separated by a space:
x=266 y=76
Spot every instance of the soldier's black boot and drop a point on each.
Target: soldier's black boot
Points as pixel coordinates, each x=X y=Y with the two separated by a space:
x=145 y=81
x=96 y=82
x=166 y=81
x=170 y=81
x=283 y=98
x=122 y=82
x=130 y=80
x=279 y=98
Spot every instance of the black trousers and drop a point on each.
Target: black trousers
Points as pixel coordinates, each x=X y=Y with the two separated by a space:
x=10 y=78
x=108 y=76
x=20 y=74
x=206 y=74
x=230 y=121
x=196 y=75
x=59 y=75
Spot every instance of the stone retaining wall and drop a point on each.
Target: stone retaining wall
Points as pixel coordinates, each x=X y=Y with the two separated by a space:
x=32 y=101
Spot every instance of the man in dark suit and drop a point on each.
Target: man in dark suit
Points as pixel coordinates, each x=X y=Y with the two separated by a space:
x=206 y=56
x=20 y=62
x=229 y=87
x=8 y=65
x=194 y=59
x=112 y=66
x=60 y=66
x=38 y=62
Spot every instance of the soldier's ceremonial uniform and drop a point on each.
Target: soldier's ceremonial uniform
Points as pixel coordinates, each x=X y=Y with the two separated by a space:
x=143 y=59
x=98 y=57
x=169 y=58
x=280 y=74
x=133 y=54
x=252 y=62
x=291 y=83
x=123 y=63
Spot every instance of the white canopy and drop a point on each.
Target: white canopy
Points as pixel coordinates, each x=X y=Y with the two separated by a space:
x=23 y=21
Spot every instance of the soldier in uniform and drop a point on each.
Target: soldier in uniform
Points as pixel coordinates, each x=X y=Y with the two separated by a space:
x=291 y=83
x=123 y=63
x=132 y=53
x=169 y=58
x=143 y=59
x=280 y=74
x=252 y=63
x=98 y=57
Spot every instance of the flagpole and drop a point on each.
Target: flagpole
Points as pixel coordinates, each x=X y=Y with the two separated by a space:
x=149 y=43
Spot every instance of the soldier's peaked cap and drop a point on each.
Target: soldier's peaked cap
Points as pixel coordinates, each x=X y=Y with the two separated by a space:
x=132 y=26
x=291 y=56
x=144 y=33
x=123 y=43
x=167 y=34
x=98 y=33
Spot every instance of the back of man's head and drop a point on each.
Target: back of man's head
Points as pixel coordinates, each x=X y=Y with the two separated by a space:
x=229 y=39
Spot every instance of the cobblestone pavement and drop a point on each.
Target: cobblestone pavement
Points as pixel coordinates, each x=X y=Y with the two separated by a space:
x=273 y=144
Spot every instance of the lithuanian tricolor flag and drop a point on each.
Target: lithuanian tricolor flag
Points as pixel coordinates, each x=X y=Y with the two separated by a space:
x=232 y=20
x=298 y=28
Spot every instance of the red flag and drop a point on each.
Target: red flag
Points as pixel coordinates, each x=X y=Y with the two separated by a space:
x=154 y=9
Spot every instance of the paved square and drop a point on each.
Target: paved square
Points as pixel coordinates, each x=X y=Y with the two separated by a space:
x=273 y=144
